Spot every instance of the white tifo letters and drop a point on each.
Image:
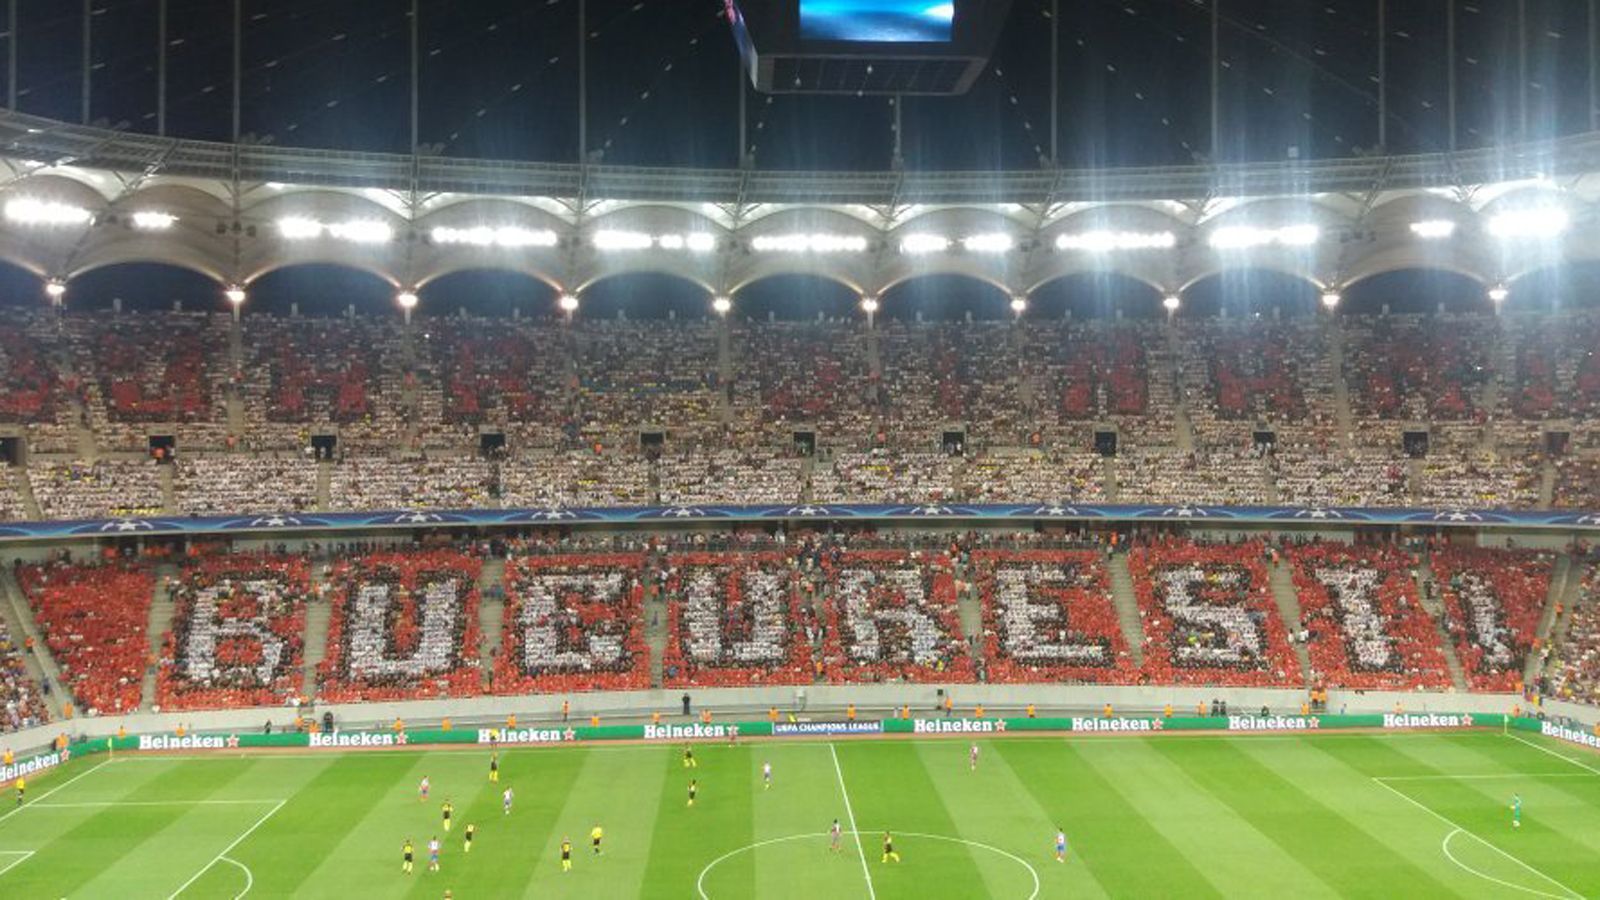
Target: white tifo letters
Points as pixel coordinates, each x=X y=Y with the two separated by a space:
x=369 y=630
x=1484 y=621
x=1021 y=618
x=760 y=592
x=207 y=628
x=544 y=621
x=863 y=624
x=1244 y=642
x=1355 y=592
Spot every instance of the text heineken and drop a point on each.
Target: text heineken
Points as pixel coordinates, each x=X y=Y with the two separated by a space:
x=1426 y=720
x=356 y=739
x=1272 y=723
x=957 y=726
x=1561 y=732
x=523 y=736
x=29 y=766
x=1113 y=725
x=187 y=742
x=684 y=732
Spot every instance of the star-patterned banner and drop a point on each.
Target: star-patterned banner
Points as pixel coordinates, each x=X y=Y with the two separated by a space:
x=1275 y=516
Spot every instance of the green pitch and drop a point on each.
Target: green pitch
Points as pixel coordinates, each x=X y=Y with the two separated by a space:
x=1358 y=815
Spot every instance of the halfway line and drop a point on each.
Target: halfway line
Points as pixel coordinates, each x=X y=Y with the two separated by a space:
x=850 y=814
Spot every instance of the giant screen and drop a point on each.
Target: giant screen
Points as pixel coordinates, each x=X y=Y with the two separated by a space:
x=877 y=21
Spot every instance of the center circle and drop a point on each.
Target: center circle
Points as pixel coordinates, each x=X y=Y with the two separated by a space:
x=700 y=882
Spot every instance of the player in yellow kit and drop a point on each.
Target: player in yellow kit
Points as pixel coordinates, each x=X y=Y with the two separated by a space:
x=566 y=854
x=408 y=855
x=494 y=768
x=888 y=848
x=471 y=830
x=448 y=811
x=595 y=834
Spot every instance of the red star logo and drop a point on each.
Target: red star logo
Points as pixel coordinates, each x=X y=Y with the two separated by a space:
x=569 y=735
x=1467 y=719
x=999 y=724
x=233 y=741
x=66 y=753
x=400 y=739
x=1157 y=724
x=1315 y=723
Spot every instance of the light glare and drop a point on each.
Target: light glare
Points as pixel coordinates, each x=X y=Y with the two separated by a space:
x=41 y=212
x=1108 y=241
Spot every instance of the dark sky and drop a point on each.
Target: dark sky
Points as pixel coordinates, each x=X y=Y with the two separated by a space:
x=500 y=80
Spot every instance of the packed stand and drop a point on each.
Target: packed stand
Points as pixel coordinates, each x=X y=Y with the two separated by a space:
x=813 y=373
x=300 y=373
x=94 y=619
x=21 y=704
x=750 y=477
x=108 y=488
x=882 y=476
x=11 y=506
x=237 y=633
x=578 y=478
x=243 y=484
x=1577 y=666
x=891 y=615
x=1478 y=480
x=633 y=374
x=1209 y=616
x=378 y=482
x=1362 y=620
x=1578 y=483
x=1081 y=374
x=1240 y=373
x=951 y=373
x=1556 y=372
x=1215 y=476
x=1049 y=477
x=404 y=626
x=737 y=620
x=573 y=622
x=516 y=374
x=1492 y=599
x=1048 y=616
x=1418 y=368
x=1329 y=477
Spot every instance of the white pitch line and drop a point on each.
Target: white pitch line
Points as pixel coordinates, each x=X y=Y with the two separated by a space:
x=22 y=857
x=1437 y=815
x=249 y=877
x=1445 y=846
x=228 y=849
x=872 y=892
x=53 y=790
x=1543 y=749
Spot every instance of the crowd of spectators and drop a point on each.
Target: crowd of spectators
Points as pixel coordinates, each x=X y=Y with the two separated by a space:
x=575 y=478
x=1576 y=667
x=891 y=615
x=1234 y=476
x=237 y=635
x=103 y=489
x=738 y=619
x=730 y=475
x=1493 y=598
x=404 y=626
x=812 y=373
x=1329 y=477
x=21 y=703
x=243 y=484
x=884 y=476
x=1578 y=483
x=1043 y=477
x=383 y=482
x=937 y=375
x=573 y=622
x=1209 y=616
x=1048 y=616
x=1362 y=619
x=94 y=619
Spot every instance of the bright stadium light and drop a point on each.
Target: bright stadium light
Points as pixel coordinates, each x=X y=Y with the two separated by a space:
x=809 y=243
x=151 y=220
x=722 y=305
x=1108 y=241
x=40 y=212
x=1331 y=298
x=299 y=228
x=1433 y=229
x=1245 y=237
x=993 y=242
x=1499 y=293
x=362 y=232
x=507 y=236
x=1171 y=302
x=1019 y=305
x=235 y=294
x=55 y=289
x=869 y=305
x=568 y=303
x=700 y=242
x=609 y=239
x=1530 y=224
x=407 y=299
x=918 y=244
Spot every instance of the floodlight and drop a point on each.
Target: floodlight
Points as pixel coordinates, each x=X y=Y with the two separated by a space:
x=150 y=220
x=1433 y=229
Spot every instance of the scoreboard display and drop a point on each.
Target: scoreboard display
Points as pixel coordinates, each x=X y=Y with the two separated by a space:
x=897 y=47
x=876 y=21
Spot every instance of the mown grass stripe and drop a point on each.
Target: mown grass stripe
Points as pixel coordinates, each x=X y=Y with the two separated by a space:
x=1338 y=851
x=621 y=792
x=687 y=838
x=1127 y=855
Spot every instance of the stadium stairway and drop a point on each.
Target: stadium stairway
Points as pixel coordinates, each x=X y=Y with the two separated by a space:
x=1127 y=603
x=160 y=620
x=1547 y=483
x=1571 y=596
x=315 y=640
x=1562 y=576
x=491 y=612
x=1435 y=609
x=82 y=435
x=655 y=626
x=1280 y=576
x=1341 y=388
x=1108 y=478
x=324 y=483
x=969 y=609
x=41 y=664
x=24 y=487
x=169 y=492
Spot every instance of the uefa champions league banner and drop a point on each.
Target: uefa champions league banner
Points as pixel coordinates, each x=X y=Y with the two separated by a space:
x=1280 y=516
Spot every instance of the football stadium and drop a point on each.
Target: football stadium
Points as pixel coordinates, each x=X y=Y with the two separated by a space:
x=799 y=448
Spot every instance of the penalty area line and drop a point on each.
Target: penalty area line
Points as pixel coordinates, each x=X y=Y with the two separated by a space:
x=228 y=849
x=1441 y=817
x=21 y=857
